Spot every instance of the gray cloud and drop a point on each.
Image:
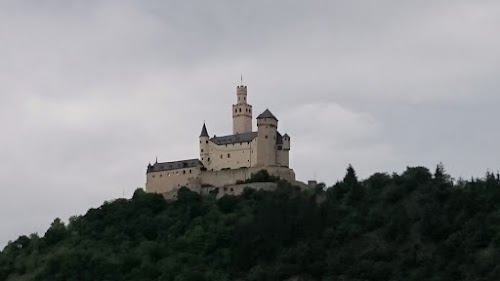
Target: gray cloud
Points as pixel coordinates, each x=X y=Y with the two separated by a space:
x=91 y=90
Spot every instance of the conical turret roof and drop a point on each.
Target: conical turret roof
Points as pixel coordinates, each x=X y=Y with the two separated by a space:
x=204 y=132
x=267 y=114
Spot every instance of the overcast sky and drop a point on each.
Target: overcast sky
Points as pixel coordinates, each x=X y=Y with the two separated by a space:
x=91 y=91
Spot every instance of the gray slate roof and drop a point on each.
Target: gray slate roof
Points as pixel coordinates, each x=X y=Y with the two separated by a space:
x=204 y=132
x=267 y=114
x=279 y=139
x=245 y=137
x=167 y=166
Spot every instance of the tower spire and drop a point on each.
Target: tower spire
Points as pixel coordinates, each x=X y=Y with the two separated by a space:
x=204 y=132
x=241 y=79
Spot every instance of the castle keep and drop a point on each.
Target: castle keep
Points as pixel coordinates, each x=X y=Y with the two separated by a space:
x=225 y=160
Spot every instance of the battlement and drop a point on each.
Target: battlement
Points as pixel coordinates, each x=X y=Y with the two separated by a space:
x=241 y=90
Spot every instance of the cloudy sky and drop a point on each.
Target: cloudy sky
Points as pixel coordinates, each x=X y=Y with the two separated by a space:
x=91 y=91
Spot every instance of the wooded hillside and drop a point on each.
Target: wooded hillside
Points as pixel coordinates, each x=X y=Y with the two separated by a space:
x=414 y=226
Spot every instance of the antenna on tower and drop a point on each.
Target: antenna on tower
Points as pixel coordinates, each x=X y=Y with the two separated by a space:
x=241 y=79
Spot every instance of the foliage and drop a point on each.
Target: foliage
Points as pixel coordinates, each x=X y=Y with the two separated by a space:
x=412 y=226
x=261 y=176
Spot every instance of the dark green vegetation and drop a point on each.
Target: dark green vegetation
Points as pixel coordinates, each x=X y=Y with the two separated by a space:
x=414 y=226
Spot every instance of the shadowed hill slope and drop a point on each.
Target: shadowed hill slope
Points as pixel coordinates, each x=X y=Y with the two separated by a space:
x=414 y=226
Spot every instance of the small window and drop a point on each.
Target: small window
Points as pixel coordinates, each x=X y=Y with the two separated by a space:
x=240 y=110
x=266 y=137
x=184 y=172
x=161 y=176
x=190 y=171
x=202 y=158
x=207 y=141
x=236 y=110
x=221 y=156
x=153 y=176
x=229 y=155
x=279 y=147
x=208 y=159
x=202 y=150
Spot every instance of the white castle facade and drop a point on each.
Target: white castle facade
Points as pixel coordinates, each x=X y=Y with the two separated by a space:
x=226 y=160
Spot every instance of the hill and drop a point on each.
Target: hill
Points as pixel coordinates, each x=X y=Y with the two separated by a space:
x=414 y=226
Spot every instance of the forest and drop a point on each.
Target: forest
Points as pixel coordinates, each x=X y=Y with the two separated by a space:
x=416 y=225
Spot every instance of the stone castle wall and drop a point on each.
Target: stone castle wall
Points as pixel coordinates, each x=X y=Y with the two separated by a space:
x=237 y=189
x=229 y=177
x=233 y=156
x=168 y=181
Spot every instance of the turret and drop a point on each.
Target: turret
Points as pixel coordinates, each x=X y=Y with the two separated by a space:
x=267 y=131
x=204 y=147
x=286 y=142
x=242 y=112
x=284 y=154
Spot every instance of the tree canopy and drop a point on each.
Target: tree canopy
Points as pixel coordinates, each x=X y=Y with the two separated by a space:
x=416 y=225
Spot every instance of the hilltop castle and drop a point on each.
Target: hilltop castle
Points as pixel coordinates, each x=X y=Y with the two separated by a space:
x=226 y=160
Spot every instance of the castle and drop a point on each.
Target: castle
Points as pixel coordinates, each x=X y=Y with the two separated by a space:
x=227 y=160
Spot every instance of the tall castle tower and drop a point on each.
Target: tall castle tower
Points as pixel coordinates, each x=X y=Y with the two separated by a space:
x=204 y=147
x=242 y=112
x=267 y=131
